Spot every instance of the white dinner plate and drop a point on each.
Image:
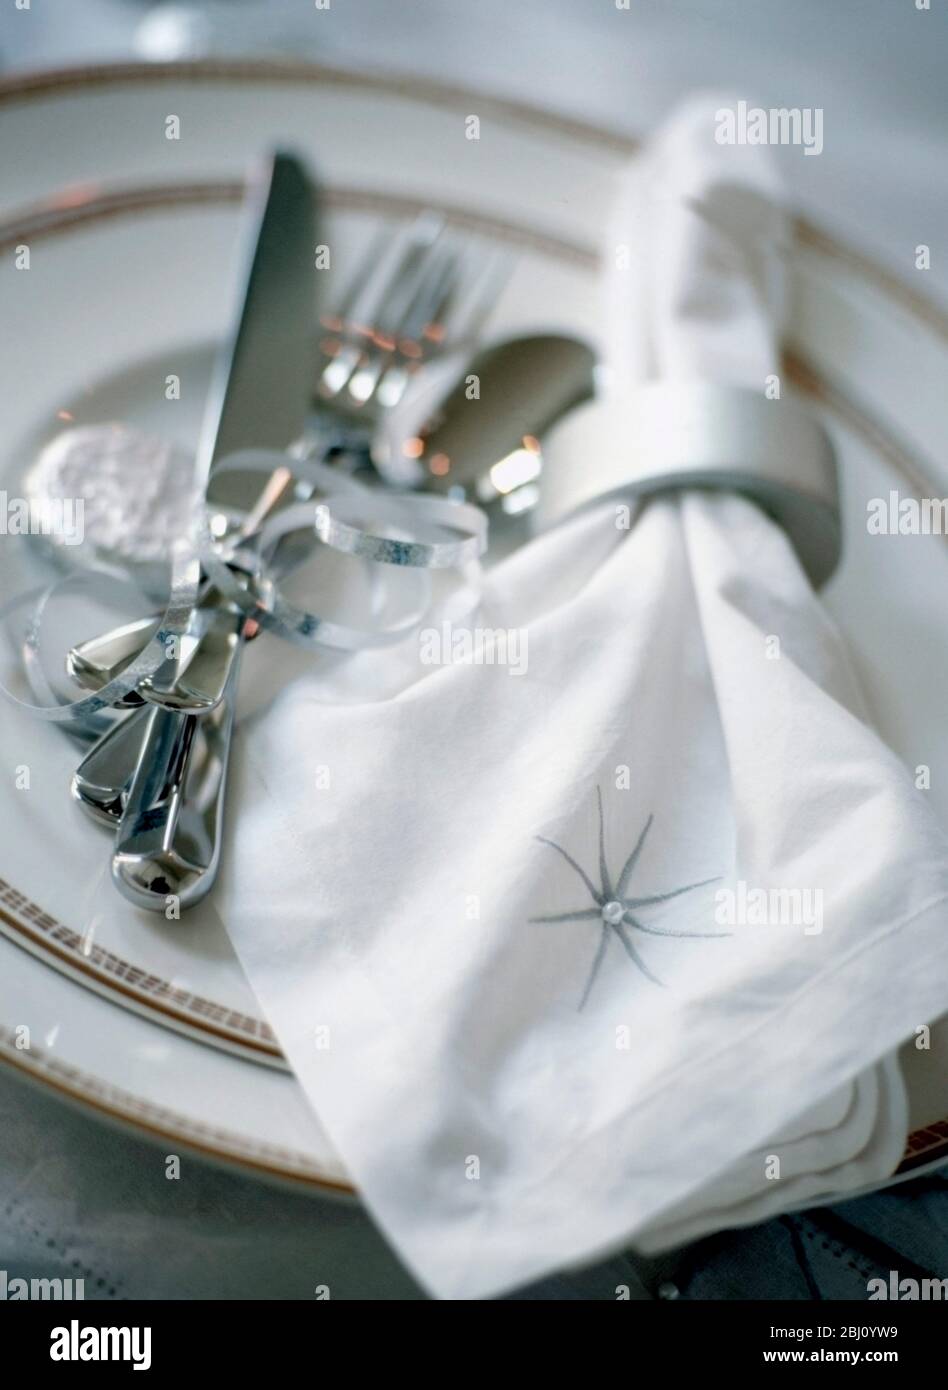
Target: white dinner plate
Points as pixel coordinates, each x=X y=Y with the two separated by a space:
x=130 y=270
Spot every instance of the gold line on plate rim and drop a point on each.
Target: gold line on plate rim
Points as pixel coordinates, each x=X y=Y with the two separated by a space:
x=29 y=87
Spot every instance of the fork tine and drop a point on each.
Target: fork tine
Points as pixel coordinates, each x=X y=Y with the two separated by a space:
x=435 y=331
x=482 y=298
x=433 y=289
x=342 y=352
x=342 y=312
x=431 y=300
x=408 y=295
x=358 y=367
x=407 y=283
x=423 y=289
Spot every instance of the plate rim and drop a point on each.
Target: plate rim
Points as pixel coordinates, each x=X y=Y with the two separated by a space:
x=406 y=86
x=161 y=1123
x=25 y=87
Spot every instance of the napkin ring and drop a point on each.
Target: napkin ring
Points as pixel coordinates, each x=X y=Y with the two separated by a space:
x=697 y=434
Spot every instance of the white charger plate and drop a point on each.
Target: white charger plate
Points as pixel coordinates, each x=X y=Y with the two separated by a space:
x=130 y=280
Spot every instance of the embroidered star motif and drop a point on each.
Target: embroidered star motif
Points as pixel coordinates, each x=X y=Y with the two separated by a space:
x=614 y=910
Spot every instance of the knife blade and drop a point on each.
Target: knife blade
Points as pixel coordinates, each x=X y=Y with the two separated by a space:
x=263 y=375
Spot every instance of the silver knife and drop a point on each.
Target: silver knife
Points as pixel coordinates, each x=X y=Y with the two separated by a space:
x=262 y=380
x=168 y=840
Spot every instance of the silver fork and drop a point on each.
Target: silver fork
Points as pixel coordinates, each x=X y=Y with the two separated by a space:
x=397 y=314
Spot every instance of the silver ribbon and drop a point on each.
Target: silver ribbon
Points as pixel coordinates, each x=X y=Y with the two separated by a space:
x=413 y=531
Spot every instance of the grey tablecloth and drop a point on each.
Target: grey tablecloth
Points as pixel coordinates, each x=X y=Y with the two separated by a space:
x=80 y=1199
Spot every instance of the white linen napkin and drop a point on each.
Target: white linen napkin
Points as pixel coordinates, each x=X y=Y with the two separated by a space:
x=516 y=1079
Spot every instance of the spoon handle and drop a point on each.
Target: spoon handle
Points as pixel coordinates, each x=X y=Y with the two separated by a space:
x=169 y=839
x=101 y=781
